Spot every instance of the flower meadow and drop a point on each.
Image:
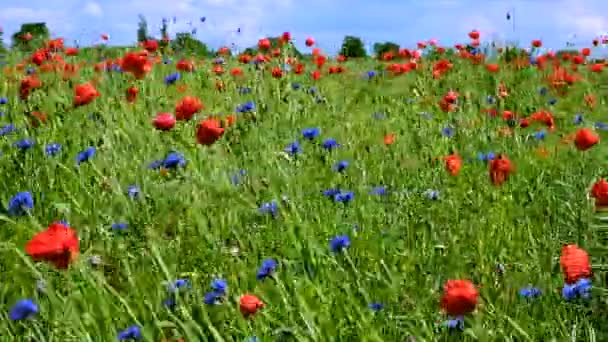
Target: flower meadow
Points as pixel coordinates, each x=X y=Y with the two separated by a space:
x=430 y=194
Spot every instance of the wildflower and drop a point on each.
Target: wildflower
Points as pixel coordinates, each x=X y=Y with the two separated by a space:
x=581 y=289
x=250 y=304
x=208 y=132
x=173 y=160
x=172 y=78
x=52 y=149
x=585 y=139
x=178 y=284
x=131 y=333
x=23 y=309
x=540 y=135
x=58 y=244
x=219 y=285
x=447 y=132
x=120 y=226
x=453 y=164
x=133 y=191
x=432 y=194
x=246 y=107
x=269 y=208
x=456 y=323
x=211 y=298
x=376 y=306
x=7 y=129
x=236 y=178
x=187 y=107
x=500 y=169
x=267 y=268
x=330 y=144
x=164 y=121
x=293 y=148
x=21 y=203
x=344 y=197
x=3 y=100
x=530 y=292
x=575 y=264
x=341 y=165
x=378 y=190
x=331 y=192
x=311 y=133
x=601 y=126
x=339 y=243
x=24 y=144
x=459 y=297
x=85 y=94
x=85 y=155
x=599 y=192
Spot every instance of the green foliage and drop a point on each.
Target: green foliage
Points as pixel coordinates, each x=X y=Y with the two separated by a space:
x=2 y=47
x=353 y=47
x=142 y=29
x=382 y=48
x=39 y=31
x=185 y=43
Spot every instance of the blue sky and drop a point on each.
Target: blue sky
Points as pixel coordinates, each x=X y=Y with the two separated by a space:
x=402 y=21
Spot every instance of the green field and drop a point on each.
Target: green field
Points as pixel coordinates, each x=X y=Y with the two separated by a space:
x=199 y=223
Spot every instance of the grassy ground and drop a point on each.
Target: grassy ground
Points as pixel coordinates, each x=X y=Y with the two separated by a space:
x=196 y=224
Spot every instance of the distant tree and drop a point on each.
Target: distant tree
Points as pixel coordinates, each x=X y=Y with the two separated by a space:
x=39 y=34
x=2 y=48
x=184 y=42
x=382 y=48
x=352 y=47
x=142 y=29
x=164 y=31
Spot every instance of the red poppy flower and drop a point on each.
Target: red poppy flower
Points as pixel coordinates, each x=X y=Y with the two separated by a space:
x=184 y=65
x=132 y=94
x=453 y=164
x=474 y=34
x=585 y=139
x=164 y=121
x=264 y=44
x=310 y=41
x=187 y=107
x=500 y=169
x=250 y=304
x=27 y=85
x=575 y=263
x=537 y=43
x=209 y=131
x=85 y=94
x=599 y=191
x=58 y=244
x=459 y=297
x=389 y=139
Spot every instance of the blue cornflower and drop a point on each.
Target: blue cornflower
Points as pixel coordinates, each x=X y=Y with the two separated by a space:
x=173 y=160
x=244 y=90
x=313 y=90
x=133 y=332
x=246 y=107
x=552 y=101
x=236 y=178
x=376 y=306
x=219 y=286
x=133 y=191
x=170 y=302
x=447 y=132
x=601 y=126
x=23 y=309
x=581 y=288
x=540 y=135
x=85 y=155
x=331 y=192
x=1 y=113
x=491 y=99
x=295 y=86
x=311 y=133
x=269 y=208
x=339 y=243
x=21 y=203
x=30 y=71
x=267 y=268
x=211 y=298
x=344 y=197
x=330 y=143
x=178 y=284
x=371 y=74
x=166 y=61
x=341 y=165
x=432 y=194
x=578 y=119
x=3 y=100
x=52 y=149
x=455 y=323
x=542 y=91
x=174 y=77
x=530 y=292
x=24 y=144
x=7 y=129
x=219 y=60
x=120 y=226
x=293 y=148
x=378 y=190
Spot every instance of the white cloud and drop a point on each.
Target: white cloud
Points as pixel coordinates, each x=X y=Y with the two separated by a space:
x=94 y=9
